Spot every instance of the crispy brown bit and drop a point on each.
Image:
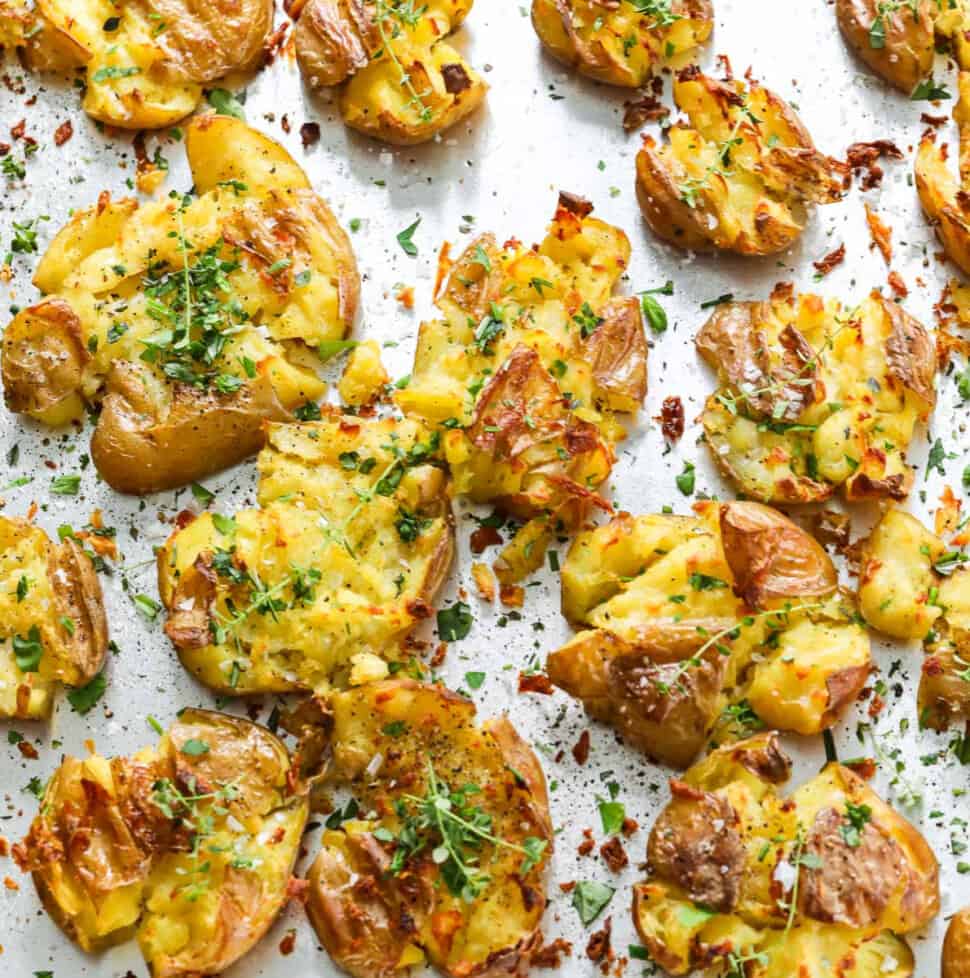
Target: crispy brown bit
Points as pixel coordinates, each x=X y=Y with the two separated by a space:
x=614 y=855
x=512 y=596
x=27 y=750
x=897 y=284
x=881 y=234
x=289 y=941
x=640 y=111
x=588 y=844
x=865 y=156
x=63 y=132
x=672 y=418
x=831 y=528
x=484 y=536
x=830 y=261
x=630 y=825
x=535 y=682
x=599 y=946
x=274 y=43
x=455 y=78
x=550 y=955
x=309 y=134
x=581 y=748
x=933 y=120
x=865 y=767
x=18 y=129
x=575 y=204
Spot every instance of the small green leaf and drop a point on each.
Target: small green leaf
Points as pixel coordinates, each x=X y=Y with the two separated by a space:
x=202 y=494
x=225 y=103
x=685 y=481
x=328 y=349
x=455 y=623
x=474 y=679
x=394 y=729
x=691 y=917
x=655 y=314
x=66 y=485
x=147 y=606
x=194 y=747
x=83 y=698
x=612 y=815
x=226 y=525
x=590 y=899
x=28 y=651
x=404 y=239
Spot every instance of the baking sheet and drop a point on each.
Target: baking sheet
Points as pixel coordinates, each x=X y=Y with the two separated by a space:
x=543 y=129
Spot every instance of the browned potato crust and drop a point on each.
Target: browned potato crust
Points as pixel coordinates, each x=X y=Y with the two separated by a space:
x=267 y=262
x=956 y=946
x=379 y=903
x=943 y=195
x=204 y=826
x=735 y=614
x=594 y=36
x=802 y=408
x=735 y=871
x=49 y=593
x=402 y=81
x=738 y=174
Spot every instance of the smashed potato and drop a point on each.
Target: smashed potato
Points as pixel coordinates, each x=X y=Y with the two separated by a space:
x=956 y=946
x=402 y=81
x=623 y=43
x=145 y=61
x=815 y=397
x=912 y=585
x=943 y=196
x=528 y=368
x=738 y=175
x=189 y=846
x=404 y=882
x=53 y=628
x=191 y=320
x=897 y=39
x=820 y=883
x=733 y=616
x=321 y=583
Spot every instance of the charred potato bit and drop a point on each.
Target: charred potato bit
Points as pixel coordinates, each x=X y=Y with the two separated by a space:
x=406 y=882
x=402 y=82
x=733 y=614
x=145 y=61
x=189 y=846
x=738 y=175
x=321 y=583
x=189 y=350
x=623 y=43
x=911 y=585
x=53 y=628
x=943 y=196
x=527 y=370
x=897 y=39
x=741 y=880
x=815 y=397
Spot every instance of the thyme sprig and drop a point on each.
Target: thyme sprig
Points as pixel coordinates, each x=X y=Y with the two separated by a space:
x=402 y=14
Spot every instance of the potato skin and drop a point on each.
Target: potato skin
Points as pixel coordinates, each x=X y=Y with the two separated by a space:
x=956 y=947
x=568 y=31
x=906 y=56
x=690 y=200
x=373 y=922
x=142 y=447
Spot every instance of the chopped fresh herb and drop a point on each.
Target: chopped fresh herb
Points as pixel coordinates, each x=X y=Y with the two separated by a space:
x=936 y=458
x=612 y=815
x=685 y=481
x=394 y=729
x=928 y=91
x=587 y=320
x=114 y=71
x=404 y=239
x=202 y=494
x=147 y=606
x=83 y=698
x=28 y=651
x=719 y=301
x=66 y=485
x=590 y=899
x=328 y=349
x=225 y=103
x=655 y=314
x=474 y=679
x=308 y=411
x=194 y=747
x=704 y=582
x=226 y=525
x=455 y=623
x=857 y=817
x=155 y=725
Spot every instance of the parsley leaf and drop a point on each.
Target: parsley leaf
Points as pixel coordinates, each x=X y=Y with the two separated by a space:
x=83 y=698
x=455 y=623
x=590 y=899
x=404 y=239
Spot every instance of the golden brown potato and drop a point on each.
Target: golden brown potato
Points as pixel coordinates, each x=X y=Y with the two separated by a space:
x=189 y=355
x=738 y=175
x=940 y=192
x=189 y=846
x=621 y=43
x=321 y=584
x=384 y=892
x=140 y=75
x=53 y=628
x=911 y=585
x=788 y=885
x=814 y=397
x=402 y=81
x=956 y=947
x=898 y=39
x=735 y=614
x=519 y=329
